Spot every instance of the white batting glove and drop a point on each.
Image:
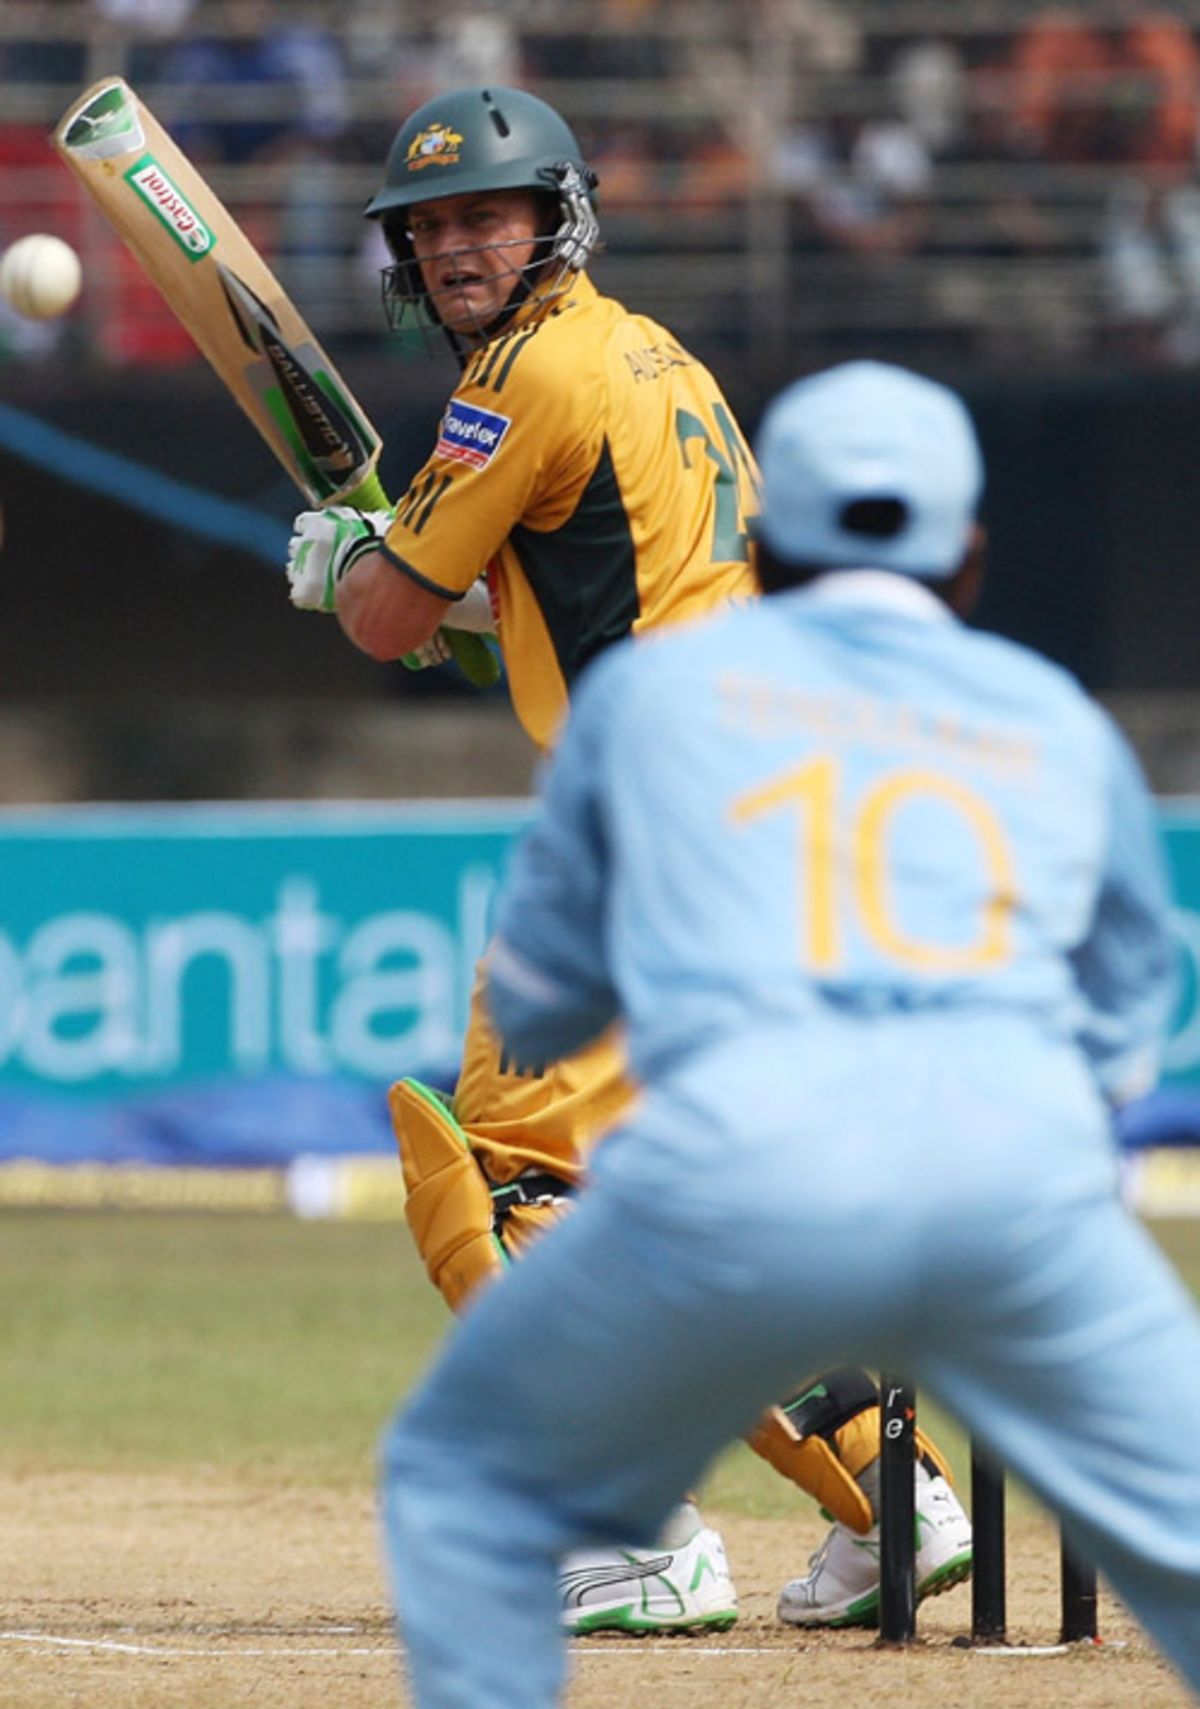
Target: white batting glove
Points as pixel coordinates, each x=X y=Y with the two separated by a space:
x=473 y=611
x=323 y=546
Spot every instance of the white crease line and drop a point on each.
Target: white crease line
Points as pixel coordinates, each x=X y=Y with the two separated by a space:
x=49 y=1640
x=1009 y=1652
x=633 y=1647
x=609 y=1651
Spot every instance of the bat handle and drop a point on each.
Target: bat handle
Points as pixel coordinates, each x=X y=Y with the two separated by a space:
x=470 y=652
x=474 y=658
x=367 y=495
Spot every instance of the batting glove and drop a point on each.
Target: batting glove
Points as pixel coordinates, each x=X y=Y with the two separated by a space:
x=323 y=546
x=471 y=615
x=435 y=651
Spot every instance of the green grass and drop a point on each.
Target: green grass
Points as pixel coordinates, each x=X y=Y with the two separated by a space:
x=259 y=1345
x=265 y=1342
x=1181 y=1242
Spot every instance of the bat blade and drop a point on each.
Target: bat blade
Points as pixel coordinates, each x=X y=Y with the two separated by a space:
x=243 y=321
x=331 y=433
x=221 y=289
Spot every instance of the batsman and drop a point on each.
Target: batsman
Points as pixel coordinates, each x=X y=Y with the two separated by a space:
x=589 y=481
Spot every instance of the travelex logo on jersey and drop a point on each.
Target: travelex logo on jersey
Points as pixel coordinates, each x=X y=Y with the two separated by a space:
x=470 y=434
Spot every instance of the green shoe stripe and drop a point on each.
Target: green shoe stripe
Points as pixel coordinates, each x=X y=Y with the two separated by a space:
x=628 y=1619
x=864 y=1610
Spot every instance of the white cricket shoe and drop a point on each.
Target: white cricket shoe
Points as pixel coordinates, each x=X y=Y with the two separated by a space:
x=842 y=1585
x=683 y=1585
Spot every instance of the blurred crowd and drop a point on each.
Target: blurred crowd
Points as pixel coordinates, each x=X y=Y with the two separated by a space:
x=1065 y=138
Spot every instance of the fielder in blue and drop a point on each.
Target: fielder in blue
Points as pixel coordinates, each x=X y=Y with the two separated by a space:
x=882 y=908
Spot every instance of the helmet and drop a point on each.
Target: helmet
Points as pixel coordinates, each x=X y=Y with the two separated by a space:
x=482 y=139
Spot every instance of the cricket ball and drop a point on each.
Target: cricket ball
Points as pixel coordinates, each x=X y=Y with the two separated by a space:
x=40 y=276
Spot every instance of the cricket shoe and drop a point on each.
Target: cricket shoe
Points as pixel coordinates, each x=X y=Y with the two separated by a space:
x=842 y=1584
x=682 y=1585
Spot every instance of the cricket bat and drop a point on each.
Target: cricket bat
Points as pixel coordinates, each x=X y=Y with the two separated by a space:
x=241 y=318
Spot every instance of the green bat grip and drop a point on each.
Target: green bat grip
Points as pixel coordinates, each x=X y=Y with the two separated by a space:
x=367 y=495
x=474 y=658
x=470 y=652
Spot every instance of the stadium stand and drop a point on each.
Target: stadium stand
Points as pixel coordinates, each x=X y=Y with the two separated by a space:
x=787 y=179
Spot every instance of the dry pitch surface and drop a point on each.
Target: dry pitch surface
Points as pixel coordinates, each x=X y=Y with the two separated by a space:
x=127 y=1591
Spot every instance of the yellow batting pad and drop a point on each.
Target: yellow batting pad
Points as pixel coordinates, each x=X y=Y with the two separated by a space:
x=449 y=1206
x=829 y=1472
x=927 y=1449
x=811 y=1463
x=858 y=1443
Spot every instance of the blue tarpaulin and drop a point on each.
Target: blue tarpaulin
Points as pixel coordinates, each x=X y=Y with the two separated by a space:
x=246 y=1124
x=266 y=1123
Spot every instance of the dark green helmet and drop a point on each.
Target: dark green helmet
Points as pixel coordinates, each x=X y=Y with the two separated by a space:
x=476 y=140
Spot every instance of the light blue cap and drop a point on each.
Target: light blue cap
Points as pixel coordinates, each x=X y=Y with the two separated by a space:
x=869 y=430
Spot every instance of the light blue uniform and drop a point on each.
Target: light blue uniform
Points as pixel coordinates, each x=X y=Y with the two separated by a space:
x=882 y=905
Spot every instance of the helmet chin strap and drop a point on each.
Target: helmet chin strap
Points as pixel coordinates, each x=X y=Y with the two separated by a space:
x=465 y=344
x=525 y=285
x=571 y=240
x=518 y=297
x=533 y=273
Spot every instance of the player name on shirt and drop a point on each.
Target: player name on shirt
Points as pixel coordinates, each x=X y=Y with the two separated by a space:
x=764 y=709
x=656 y=359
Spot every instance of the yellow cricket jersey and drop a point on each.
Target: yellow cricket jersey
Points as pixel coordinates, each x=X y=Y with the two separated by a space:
x=591 y=466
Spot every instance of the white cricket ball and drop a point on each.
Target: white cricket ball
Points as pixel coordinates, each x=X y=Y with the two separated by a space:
x=40 y=276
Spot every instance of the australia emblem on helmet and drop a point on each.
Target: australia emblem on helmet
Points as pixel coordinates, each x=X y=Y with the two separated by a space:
x=436 y=145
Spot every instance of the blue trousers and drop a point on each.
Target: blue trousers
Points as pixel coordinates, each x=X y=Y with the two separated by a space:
x=971 y=1235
